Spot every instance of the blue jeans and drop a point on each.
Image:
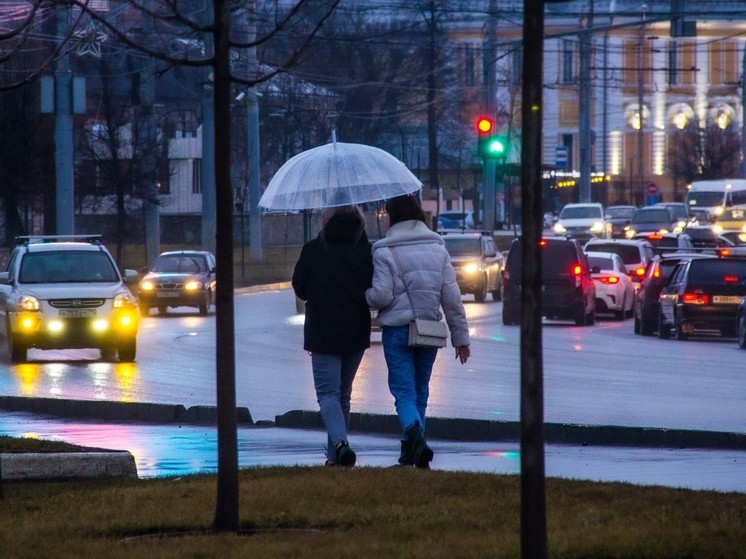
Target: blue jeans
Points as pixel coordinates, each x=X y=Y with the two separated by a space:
x=409 y=374
x=333 y=374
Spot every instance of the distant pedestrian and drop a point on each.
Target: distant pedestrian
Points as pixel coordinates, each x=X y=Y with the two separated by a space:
x=412 y=253
x=331 y=276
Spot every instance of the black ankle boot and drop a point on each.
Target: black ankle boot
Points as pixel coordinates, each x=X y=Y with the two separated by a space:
x=422 y=453
x=344 y=454
x=407 y=453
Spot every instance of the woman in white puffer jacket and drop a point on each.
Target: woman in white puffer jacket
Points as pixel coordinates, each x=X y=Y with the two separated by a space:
x=411 y=251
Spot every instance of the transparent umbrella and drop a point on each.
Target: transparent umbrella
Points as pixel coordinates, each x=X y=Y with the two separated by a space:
x=338 y=174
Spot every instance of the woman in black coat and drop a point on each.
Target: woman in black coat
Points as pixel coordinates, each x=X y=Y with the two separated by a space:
x=331 y=275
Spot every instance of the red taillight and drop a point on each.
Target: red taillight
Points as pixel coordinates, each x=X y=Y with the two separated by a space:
x=657 y=273
x=655 y=236
x=577 y=270
x=542 y=243
x=639 y=272
x=724 y=252
x=694 y=298
x=731 y=279
x=608 y=279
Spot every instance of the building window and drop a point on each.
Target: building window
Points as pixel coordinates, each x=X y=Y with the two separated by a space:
x=567 y=142
x=568 y=58
x=469 y=66
x=517 y=66
x=673 y=63
x=196 y=176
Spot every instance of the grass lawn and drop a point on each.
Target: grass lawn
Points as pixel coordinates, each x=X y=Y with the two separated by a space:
x=319 y=512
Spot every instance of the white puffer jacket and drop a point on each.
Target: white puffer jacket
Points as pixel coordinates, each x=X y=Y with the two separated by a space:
x=431 y=280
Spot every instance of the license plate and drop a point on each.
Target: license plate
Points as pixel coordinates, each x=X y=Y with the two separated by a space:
x=726 y=299
x=167 y=294
x=77 y=313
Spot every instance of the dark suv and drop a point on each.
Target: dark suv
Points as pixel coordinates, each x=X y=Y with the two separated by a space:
x=702 y=296
x=567 y=288
x=478 y=264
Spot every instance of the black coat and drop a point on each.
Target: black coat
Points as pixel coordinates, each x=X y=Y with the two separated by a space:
x=332 y=276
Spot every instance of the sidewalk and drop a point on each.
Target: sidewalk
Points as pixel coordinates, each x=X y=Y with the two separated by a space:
x=181 y=449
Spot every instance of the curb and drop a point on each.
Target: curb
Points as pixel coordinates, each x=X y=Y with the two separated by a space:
x=476 y=430
x=66 y=465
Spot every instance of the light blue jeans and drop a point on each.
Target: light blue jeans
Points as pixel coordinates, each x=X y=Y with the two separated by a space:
x=409 y=374
x=333 y=374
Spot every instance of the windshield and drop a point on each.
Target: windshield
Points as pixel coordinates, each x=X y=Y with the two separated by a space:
x=629 y=254
x=652 y=216
x=180 y=264
x=603 y=263
x=68 y=266
x=716 y=270
x=705 y=198
x=620 y=213
x=678 y=211
x=463 y=247
x=580 y=212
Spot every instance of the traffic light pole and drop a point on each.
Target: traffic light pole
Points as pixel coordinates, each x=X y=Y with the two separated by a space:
x=489 y=54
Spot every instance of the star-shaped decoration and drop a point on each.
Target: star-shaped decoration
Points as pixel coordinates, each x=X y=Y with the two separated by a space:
x=89 y=40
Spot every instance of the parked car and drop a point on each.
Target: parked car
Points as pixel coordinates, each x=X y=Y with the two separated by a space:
x=619 y=217
x=702 y=296
x=651 y=219
x=65 y=292
x=478 y=264
x=634 y=253
x=583 y=221
x=181 y=278
x=568 y=290
x=614 y=290
x=454 y=219
x=646 y=306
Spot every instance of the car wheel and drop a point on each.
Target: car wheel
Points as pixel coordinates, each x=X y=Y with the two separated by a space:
x=481 y=293
x=664 y=332
x=497 y=294
x=509 y=315
x=590 y=318
x=203 y=307
x=127 y=350
x=742 y=330
x=677 y=328
x=647 y=328
x=18 y=351
x=580 y=317
x=108 y=353
x=637 y=327
x=144 y=310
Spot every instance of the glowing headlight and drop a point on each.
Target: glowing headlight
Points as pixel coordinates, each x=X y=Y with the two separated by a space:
x=147 y=285
x=27 y=303
x=559 y=228
x=663 y=231
x=100 y=325
x=123 y=300
x=718 y=210
x=597 y=227
x=717 y=229
x=193 y=285
x=55 y=326
x=471 y=268
x=629 y=233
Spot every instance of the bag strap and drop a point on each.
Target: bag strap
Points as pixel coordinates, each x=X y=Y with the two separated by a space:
x=403 y=280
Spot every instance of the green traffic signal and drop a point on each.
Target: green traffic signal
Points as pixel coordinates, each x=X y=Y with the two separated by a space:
x=494 y=147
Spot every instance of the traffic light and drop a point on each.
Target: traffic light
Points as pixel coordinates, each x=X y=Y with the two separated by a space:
x=489 y=144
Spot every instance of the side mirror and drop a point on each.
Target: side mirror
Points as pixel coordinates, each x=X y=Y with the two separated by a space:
x=144 y=270
x=4 y=278
x=130 y=276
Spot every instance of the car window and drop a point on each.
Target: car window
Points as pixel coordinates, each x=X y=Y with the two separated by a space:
x=580 y=212
x=180 y=264
x=630 y=254
x=67 y=266
x=717 y=271
x=463 y=246
x=620 y=213
x=651 y=216
x=602 y=262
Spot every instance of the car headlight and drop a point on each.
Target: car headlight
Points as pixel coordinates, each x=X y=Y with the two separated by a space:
x=597 y=227
x=471 y=268
x=629 y=233
x=193 y=285
x=147 y=285
x=717 y=229
x=718 y=210
x=27 y=303
x=559 y=228
x=123 y=300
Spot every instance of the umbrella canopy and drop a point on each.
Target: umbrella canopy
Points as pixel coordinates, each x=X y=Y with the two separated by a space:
x=338 y=174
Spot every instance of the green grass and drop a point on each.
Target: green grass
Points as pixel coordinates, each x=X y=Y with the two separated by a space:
x=319 y=512
x=28 y=444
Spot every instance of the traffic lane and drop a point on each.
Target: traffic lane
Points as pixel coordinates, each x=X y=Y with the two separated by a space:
x=602 y=374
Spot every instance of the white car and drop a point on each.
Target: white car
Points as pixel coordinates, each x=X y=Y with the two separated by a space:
x=583 y=221
x=66 y=292
x=614 y=289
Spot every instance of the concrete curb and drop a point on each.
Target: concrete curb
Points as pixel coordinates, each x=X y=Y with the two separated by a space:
x=475 y=430
x=28 y=466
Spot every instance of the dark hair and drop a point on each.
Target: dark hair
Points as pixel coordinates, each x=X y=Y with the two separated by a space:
x=352 y=210
x=404 y=208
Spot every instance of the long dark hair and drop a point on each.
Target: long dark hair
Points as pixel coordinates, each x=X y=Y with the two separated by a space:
x=404 y=208
x=354 y=210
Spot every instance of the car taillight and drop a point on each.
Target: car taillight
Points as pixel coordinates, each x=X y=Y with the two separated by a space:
x=691 y=298
x=608 y=279
x=724 y=252
x=639 y=273
x=542 y=243
x=730 y=279
x=577 y=270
